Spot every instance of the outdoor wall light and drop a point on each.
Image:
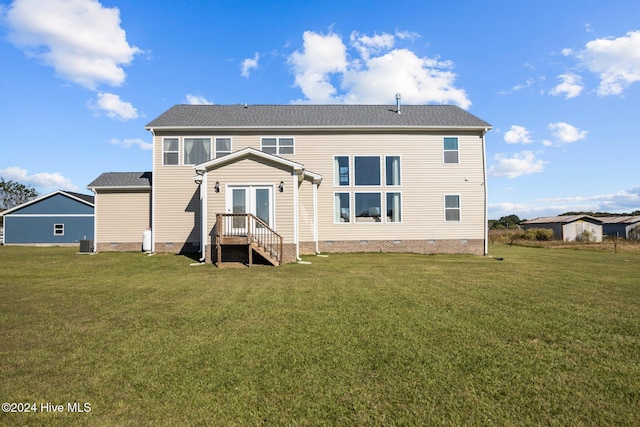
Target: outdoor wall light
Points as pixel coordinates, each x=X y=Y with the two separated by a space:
x=281 y=187
x=216 y=187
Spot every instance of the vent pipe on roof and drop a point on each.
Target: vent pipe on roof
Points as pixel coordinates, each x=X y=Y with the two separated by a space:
x=398 y=97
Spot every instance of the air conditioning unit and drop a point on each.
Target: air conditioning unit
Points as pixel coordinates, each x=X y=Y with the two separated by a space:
x=86 y=246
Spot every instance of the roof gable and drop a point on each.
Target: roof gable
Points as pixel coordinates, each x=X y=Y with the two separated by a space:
x=317 y=116
x=297 y=168
x=58 y=201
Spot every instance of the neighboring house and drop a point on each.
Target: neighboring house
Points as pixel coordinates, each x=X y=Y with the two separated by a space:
x=627 y=227
x=123 y=210
x=233 y=181
x=61 y=217
x=569 y=227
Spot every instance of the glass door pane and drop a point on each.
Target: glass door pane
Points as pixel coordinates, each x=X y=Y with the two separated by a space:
x=263 y=204
x=239 y=206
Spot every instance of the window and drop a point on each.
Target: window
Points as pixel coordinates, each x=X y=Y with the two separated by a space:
x=394 y=207
x=451 y=150
x=368 y=207
x=452 y=208
x=223 y=147
x=341 y=170
x=392 y=170
x=341 y=208
x=58 y=229
x=170 y=151
x=196 y=150
x=367 y=170
x=277 y=145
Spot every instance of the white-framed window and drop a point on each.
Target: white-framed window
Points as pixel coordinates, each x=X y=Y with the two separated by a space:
x=394 y=207
x=366 y=170
x=392 y=170
x=368 y=207
x=341 y=175
x=452 y=208
x=223 y=147
x=278 y=146
x=170 y=151
x=58 y=229
x=196 y=150
x=450 y=150
x=341 y=208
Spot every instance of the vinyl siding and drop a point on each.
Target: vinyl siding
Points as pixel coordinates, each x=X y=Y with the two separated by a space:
x=122 y=216
x=425 y=181
x=253 y=172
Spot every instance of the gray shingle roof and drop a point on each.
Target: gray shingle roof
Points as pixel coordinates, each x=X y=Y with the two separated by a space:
x=329 y=116
x=86 y=197
x=122 y=179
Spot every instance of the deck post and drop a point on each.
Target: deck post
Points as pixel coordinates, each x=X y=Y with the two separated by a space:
x=218 y=239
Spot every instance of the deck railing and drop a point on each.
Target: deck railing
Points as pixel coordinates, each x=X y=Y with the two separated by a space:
x=248 y=229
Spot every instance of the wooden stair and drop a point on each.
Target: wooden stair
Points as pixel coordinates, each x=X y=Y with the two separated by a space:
x=249 y=230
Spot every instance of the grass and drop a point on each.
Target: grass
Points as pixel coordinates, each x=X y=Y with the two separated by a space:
x=543 y=337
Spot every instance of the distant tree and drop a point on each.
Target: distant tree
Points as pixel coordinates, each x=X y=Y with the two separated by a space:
x=13 y=194
x=510 y=222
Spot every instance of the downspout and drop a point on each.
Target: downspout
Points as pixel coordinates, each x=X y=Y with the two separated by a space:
x=484 y=183
x=203 y=218
x=295 y=215
x=95 y=221
x=315 y=216
x=153 y=193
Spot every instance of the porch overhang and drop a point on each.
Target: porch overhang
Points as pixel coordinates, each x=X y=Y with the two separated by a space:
x=296 y=168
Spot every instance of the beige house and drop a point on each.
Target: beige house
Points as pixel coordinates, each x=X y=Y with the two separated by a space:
x=271 y=182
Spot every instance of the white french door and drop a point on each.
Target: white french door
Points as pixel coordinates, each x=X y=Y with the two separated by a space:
x=253 y=199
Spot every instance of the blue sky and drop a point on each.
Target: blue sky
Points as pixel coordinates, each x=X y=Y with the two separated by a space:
x=559 y=82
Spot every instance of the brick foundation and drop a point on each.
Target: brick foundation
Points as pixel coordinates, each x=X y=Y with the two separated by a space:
x=239 y=253
x=457 y=246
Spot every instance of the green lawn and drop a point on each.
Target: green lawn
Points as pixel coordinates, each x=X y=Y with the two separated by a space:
x=542 y=337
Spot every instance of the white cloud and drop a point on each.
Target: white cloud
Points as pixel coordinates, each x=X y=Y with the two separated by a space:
x=615 y=60
x=566 y=132
x=523 y=163
x=376 y=73
x=250 y=64
x=571 y=86
x=42 y=180
x=197 y=100
x=114 y=107
x=321 y=57
x=517 y=134
x=368 y=45
x=80 y=39
x=129 y=142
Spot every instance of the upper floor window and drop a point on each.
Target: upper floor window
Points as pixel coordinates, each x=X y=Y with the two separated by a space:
x=277 y=145
x=392 y=170
x=341 y=170
x=223 y=147
x=452 y=207
x=197 y=150
x=450 y=146
x=366 y=170
x=170 y=151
